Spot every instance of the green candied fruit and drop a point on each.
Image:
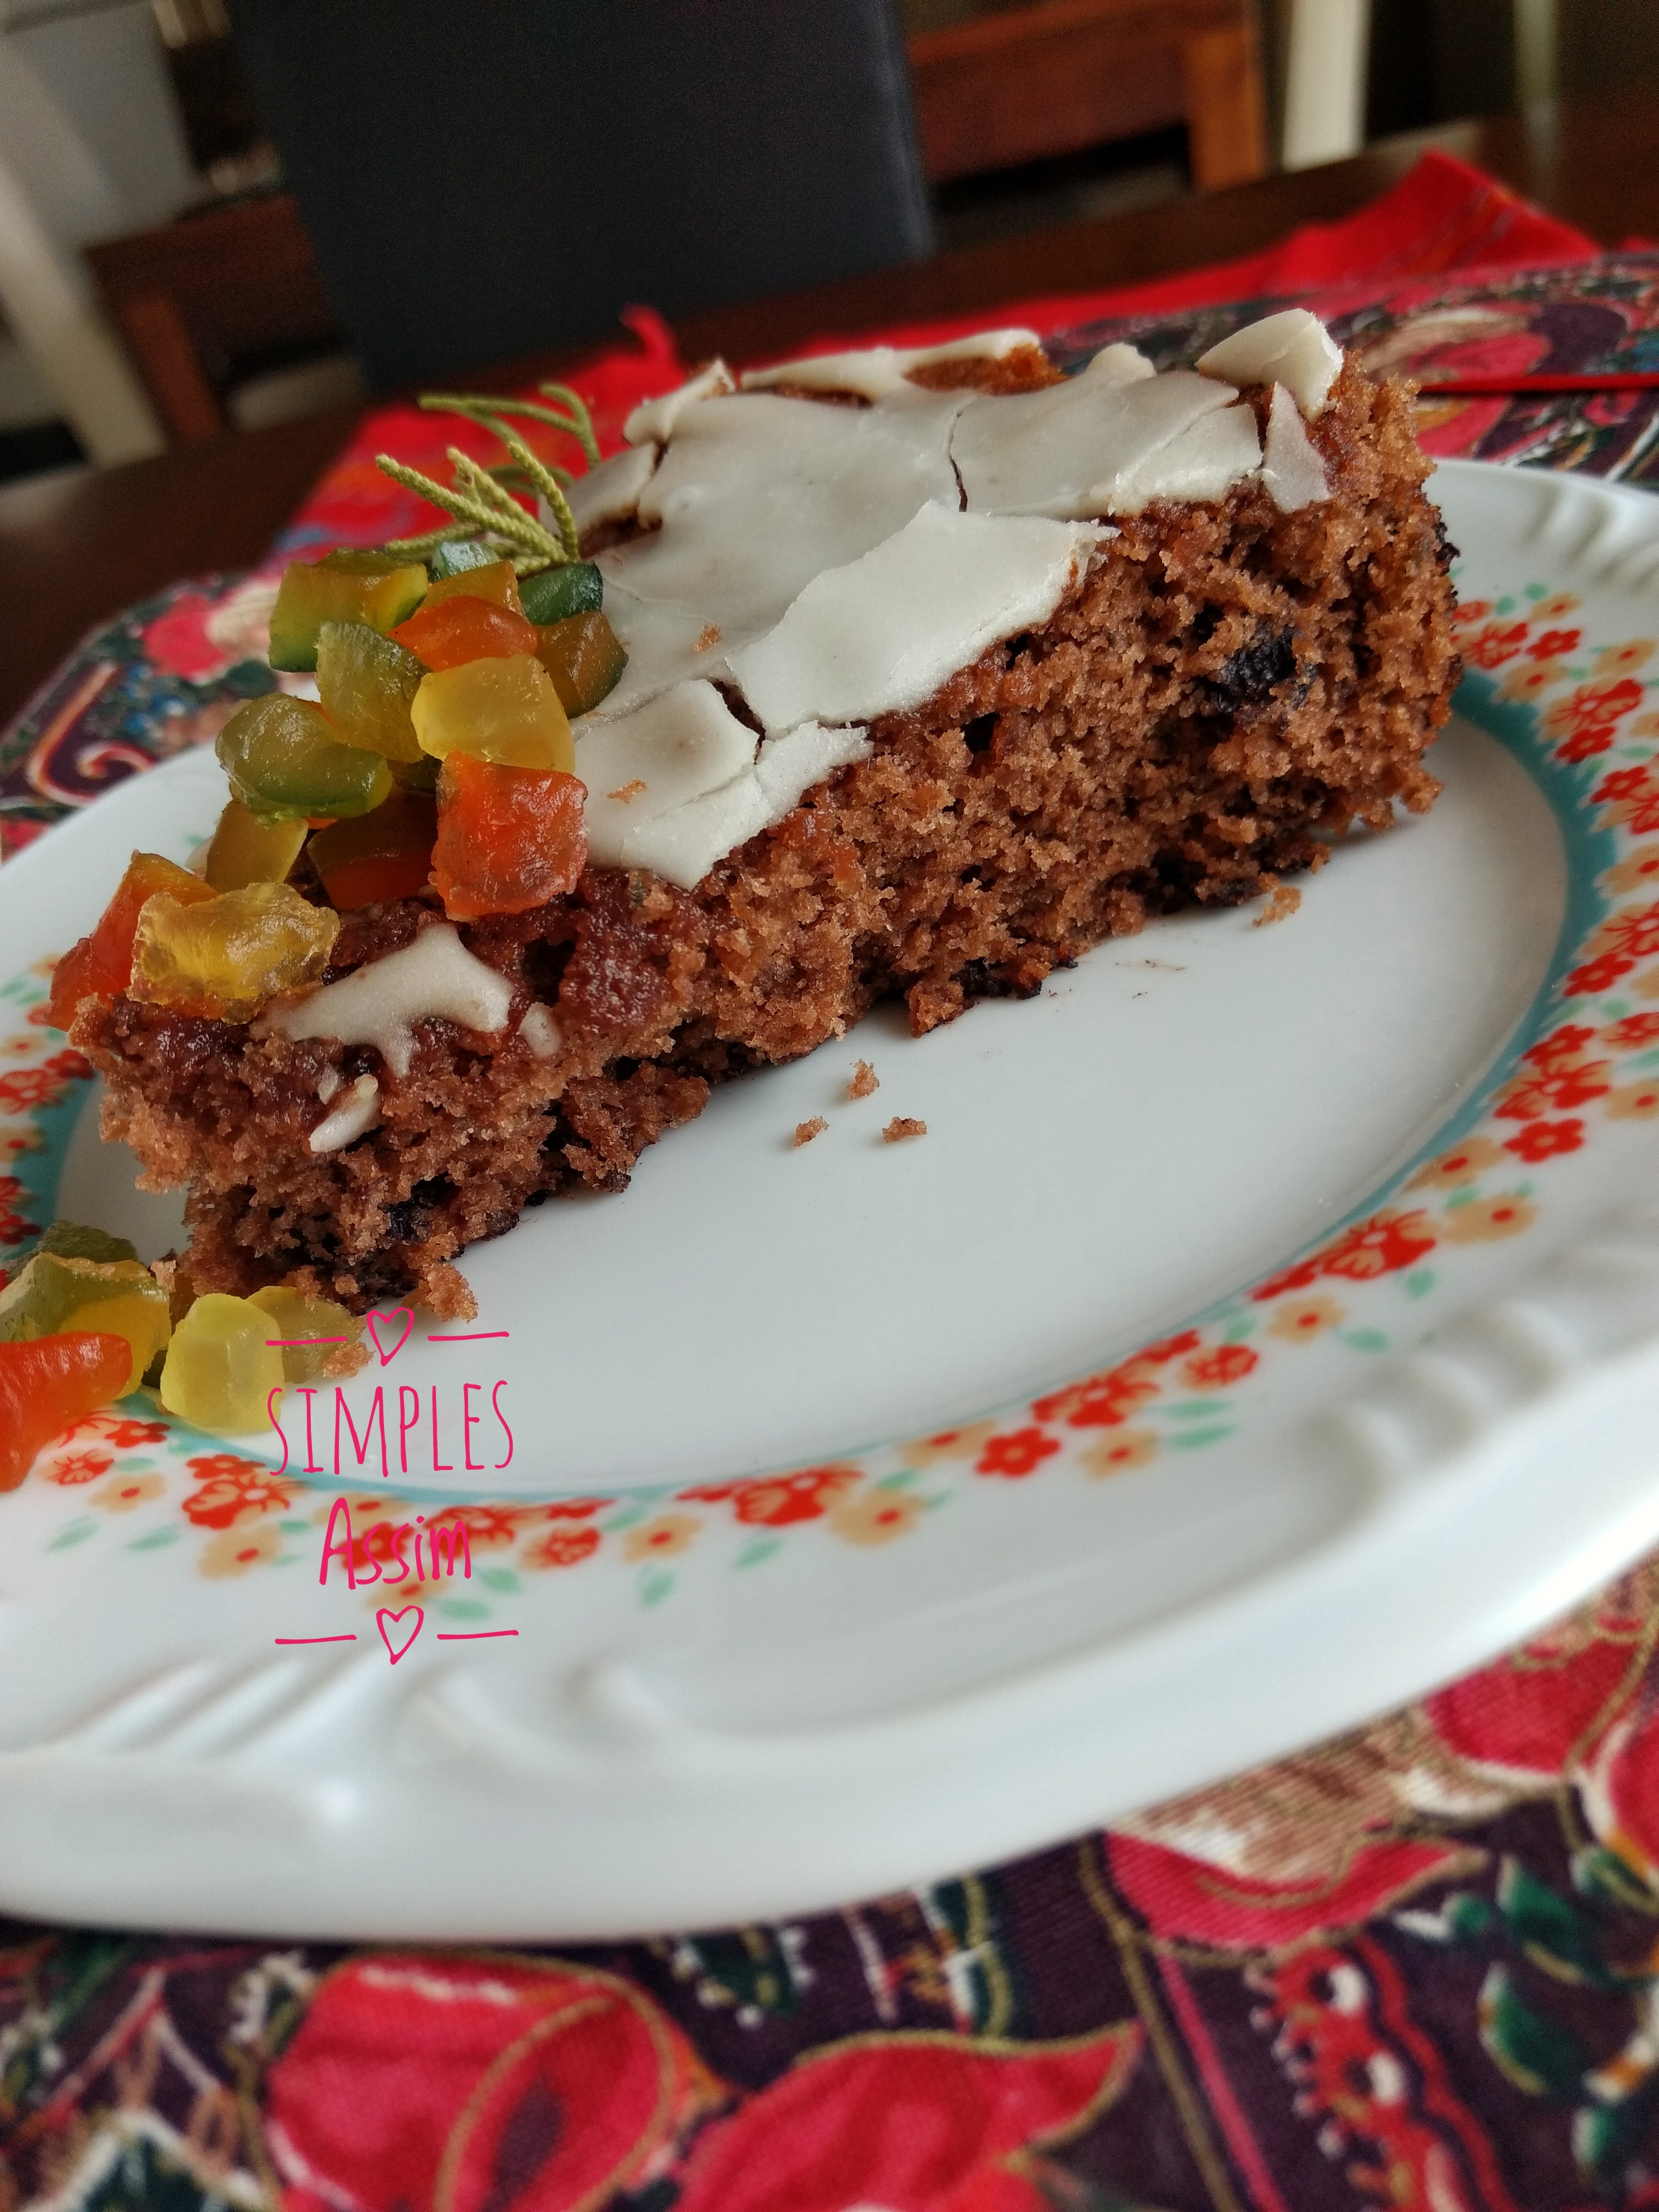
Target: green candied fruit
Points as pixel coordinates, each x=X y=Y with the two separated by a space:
x=364 y=560
x=457 y=555
x=284 y=757
x=554 y=594
x=584 y=656
x=365 y=682
x=73 y=1240
x=56 y=1297
x=375 y=589
x=220 y=1370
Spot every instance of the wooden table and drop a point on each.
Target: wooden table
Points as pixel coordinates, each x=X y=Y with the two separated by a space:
x=76 y=549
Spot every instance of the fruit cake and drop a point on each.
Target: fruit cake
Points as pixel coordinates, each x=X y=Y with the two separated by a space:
x=879 y=675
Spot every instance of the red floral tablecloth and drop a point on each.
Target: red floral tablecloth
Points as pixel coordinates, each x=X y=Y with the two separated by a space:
x=1418 y=1967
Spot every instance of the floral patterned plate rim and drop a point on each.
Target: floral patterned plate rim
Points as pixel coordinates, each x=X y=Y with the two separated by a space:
x=1268 y=1324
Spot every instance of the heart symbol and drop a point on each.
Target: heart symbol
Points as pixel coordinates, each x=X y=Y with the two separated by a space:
x=386 y=1358
x=395 y=1652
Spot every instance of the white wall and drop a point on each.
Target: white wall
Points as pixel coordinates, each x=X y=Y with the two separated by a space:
x=88 y=121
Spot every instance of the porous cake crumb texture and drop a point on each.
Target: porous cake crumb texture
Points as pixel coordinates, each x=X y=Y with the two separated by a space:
x=901 y=1126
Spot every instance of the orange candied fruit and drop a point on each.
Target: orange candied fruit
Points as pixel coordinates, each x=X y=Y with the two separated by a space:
x=465 y=629
x=491 y=580
x=101 y=965
x=386 y=854
x=508 y=838
x=49 y=1381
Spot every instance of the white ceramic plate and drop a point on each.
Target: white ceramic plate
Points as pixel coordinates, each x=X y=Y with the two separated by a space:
x=813 y=1568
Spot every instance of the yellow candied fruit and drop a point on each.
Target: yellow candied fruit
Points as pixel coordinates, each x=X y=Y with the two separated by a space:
x=491 y=580
x=224 y=958
x=336 y=1347
x=219 y=1371
x=503 y=711
x=248 y=849
x=56 y=1296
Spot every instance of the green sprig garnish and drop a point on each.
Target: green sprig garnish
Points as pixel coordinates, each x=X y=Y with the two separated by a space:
x=482 y=499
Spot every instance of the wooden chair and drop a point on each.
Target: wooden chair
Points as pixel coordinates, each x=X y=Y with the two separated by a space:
x=1036 y=80
x=227 y=292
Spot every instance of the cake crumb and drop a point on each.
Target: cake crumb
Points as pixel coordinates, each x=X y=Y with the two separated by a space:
x=1283 y=900
x=864 y=1080
x=805 y=1131
x=627 y=791
x=901 y=1126
x=708 y=638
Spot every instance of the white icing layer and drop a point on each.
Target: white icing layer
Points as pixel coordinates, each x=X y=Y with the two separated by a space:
x=882 y=633
x=877 y=371
x=683 y=844
x=540 y=1030
x=653 y=421
x=610 y=493
x=359 y=1109
x=830 y=563
x=1292 y=348
x=755 y=495
x=787 y=767
x=1291 y=468
x=1105 y=442
x=380 y=1005
x=679 y=745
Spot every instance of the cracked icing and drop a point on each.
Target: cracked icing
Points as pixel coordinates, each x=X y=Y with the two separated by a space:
x=882 y=633
x=880 y=371
x=835 y=562
x=1291 y=465
x=1292 y=348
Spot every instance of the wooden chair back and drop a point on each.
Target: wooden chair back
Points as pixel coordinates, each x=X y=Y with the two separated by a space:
x=231 y=290
x=1038 y=80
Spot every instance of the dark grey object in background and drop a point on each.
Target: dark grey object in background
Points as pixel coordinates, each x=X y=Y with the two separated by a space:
x=486 y=177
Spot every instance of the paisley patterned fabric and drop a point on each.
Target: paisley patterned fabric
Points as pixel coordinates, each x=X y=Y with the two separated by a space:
x=1418 y=1967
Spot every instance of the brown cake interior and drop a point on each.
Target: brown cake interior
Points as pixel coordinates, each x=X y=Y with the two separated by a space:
x=1227 y=689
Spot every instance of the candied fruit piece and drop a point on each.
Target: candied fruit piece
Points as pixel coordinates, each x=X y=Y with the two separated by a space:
x=101 y=965
x=50 y=1382
x=284 y=756
x=225 y=959
x=386 y=855
x=107 y=1297
x=491 y=580
x=73 y=1240
x=508 y=838
x=314 y=1336
x=553 y=594
x=219 y=1371
x=464 y=628
x=376 y=588
x=365 y=561
x=248 y=849
x=457 y=555
x=365 y=682
x=504 y=711
x=584 y=657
